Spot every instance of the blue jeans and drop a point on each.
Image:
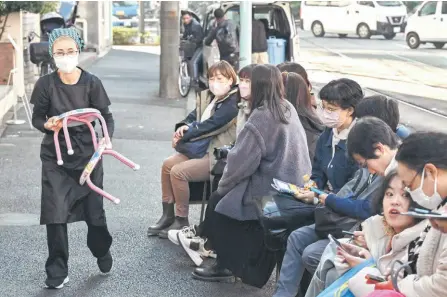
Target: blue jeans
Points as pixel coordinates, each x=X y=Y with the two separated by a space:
x=304 y=250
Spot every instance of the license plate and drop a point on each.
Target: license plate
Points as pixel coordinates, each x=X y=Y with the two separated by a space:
x=396 y=29
x=120 y=12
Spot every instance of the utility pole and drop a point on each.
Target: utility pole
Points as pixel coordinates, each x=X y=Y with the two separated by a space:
x=169 y=46
x=245 y=34
x=141 y=23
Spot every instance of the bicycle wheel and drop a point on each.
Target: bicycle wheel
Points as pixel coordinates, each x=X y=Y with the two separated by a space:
x=184 y=81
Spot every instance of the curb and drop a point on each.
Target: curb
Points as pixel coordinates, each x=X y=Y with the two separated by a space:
x=10 y=114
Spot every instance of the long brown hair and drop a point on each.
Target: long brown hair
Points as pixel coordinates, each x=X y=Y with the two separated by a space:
x=267 y=90
x=298 y=94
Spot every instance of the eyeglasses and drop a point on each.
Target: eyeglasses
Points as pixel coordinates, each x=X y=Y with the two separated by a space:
x=62 y=54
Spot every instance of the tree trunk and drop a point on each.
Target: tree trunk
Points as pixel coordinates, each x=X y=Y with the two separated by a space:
x=169 y=46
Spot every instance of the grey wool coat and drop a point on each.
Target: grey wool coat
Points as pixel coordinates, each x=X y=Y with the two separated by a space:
x=265 y=149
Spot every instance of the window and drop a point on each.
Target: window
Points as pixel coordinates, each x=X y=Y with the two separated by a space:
x=444 y=7
x=329 y=3
x=317 y=3
x=429 y=8
x=366 y=3
x=389 y=3
x=339 y=3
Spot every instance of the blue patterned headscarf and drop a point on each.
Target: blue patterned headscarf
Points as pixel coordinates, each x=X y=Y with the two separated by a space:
x=72 y=33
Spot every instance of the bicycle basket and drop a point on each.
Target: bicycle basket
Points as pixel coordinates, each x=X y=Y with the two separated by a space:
x=188 y=48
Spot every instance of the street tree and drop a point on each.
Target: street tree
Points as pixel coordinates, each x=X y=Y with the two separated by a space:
x=169 y=47
x=8 y=7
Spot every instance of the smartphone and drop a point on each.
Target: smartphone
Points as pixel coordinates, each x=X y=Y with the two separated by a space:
x=428 y=215
x=334 y=240
x=348 y=233
x=375 y=278
x=315 y=190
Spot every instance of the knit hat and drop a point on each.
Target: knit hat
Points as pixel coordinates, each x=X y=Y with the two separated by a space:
x=70 y=32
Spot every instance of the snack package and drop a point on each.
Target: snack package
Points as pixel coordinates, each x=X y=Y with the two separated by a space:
x=308 y=183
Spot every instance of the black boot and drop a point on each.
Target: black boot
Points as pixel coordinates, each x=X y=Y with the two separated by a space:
x=165 y=221
x=178 y=224
x=214 y=273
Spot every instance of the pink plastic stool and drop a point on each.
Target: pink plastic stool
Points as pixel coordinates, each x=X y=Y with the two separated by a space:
x=103 y=149
x=77 y=117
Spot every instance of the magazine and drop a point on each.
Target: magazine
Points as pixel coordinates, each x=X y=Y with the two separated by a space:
x=286 y=188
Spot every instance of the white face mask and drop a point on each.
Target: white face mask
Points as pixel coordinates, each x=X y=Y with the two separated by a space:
x=66 y=63
x=422 y=199
x=219 y=89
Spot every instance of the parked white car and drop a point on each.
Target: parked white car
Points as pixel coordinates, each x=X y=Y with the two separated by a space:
x=363 y=18
x=428 y=24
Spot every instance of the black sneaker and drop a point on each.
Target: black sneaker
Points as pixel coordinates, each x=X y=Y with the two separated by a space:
x=105 y=263
x=56 y=286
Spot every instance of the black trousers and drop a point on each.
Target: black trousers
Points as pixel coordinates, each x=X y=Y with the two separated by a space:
x=99 y=241
x=193 y=64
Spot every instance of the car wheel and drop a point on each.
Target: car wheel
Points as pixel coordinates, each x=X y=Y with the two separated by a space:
x=318 y=29
x=389 y=36
x=342 y=35
x=439 y=45
x=363 y=31
x=413 y=40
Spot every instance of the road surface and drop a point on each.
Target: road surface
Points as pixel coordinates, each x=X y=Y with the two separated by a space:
x=387 y=67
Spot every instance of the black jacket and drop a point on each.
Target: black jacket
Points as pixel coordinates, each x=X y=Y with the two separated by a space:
x=225 y=34
x=259 y=41
x=225 y=111
x=193 y=32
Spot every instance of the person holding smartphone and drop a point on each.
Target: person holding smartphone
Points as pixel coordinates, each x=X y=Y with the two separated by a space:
x=387 y=237
x=422 y=166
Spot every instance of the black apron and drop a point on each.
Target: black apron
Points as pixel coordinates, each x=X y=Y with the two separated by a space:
x=64 y=200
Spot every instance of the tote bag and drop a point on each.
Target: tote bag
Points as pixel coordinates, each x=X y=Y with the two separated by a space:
x=340 y=288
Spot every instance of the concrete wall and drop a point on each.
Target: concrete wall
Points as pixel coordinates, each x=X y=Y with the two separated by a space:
x=97 y=15
x=30 y=23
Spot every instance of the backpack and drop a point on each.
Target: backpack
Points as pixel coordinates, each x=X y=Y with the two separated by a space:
x=226 y=38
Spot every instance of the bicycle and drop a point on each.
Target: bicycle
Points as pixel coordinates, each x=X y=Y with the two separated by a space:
x=184 y=80
x=187 y=49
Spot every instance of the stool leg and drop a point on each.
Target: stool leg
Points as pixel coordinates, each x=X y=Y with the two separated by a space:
x=202 y=211
x=67 y=136
x=123 y=159
x=92 y=130
x=58 y=148
x=102 y=192
x=105 y=131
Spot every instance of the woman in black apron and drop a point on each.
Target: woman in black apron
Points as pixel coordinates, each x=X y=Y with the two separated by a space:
x=64 y=200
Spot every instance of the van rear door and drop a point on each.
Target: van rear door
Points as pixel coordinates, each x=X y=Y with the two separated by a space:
x=294 y=39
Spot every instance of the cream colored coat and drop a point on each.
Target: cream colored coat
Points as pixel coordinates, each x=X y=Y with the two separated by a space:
x=431 y=278
x=377 y=241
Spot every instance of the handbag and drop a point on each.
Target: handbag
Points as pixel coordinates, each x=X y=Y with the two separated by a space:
x=193 y=149
x=279 y=214
x=340 y=287
x=328 y=221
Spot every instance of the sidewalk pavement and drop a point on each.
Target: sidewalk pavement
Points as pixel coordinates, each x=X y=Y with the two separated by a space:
x=143 y=267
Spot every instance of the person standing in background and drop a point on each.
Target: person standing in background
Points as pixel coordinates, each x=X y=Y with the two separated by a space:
x=259 y=43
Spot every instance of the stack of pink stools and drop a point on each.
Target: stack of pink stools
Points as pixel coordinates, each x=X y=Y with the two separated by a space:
x=86 y=116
